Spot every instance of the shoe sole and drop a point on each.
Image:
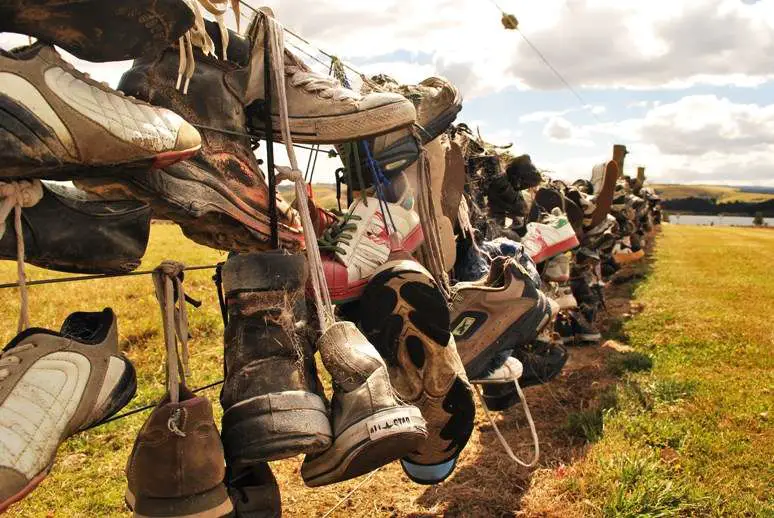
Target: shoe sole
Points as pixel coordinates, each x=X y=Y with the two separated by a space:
x=274 y=427
x=350 y=126
x=160 y=22
x=214 y=503
x=366 y=446
x=557 y=248
x=120 y=396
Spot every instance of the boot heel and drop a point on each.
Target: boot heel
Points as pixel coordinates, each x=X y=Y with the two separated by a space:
x=214 y=503
x=275 y=426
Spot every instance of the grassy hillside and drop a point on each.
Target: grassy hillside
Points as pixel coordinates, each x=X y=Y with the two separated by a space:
x=719 y=193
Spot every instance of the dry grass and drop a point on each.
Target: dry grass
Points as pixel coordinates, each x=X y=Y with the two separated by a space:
x=720 y=193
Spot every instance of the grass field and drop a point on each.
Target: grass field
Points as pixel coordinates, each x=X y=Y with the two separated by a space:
x=678 y=425
x=720 y=193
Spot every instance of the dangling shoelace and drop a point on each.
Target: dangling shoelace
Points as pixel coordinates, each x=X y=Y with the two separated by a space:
x=338 y=232
x=16 y=196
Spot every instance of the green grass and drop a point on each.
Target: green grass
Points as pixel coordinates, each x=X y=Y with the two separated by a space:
x=693 y=436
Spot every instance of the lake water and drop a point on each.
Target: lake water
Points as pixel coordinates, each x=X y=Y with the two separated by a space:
x=723 y=221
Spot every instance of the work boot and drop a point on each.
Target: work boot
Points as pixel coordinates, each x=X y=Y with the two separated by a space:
x=372 y=427
x=99 y=30
x=70 y=232
x=254 y=492
x=406 y=317
x=271 y=404
x=59 y=124
x=320 y=110
x=220 y=198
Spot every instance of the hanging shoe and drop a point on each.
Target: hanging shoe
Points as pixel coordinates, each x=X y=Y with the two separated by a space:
x=254 y=492
x=585 y=330
x=552 y=236
x=220 y=198
x=320 y=109
x=53 y=385
x=68 y=231
x=271 y=401
x=407 y=318
x=604 y=177
x=502 y=311
x=59 y=124
x=99 y=30
x=371 y=426
x=564 y=298
x=360 y=242
x=558 y=268
x=176 y=466
x=564 y=328
x=522 y=173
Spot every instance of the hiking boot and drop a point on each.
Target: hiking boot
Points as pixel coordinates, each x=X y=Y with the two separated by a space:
x=522 y=173
x=70 y=232
x=220 y=198
x=558 y=268
x=552 y=236
x=360 y=242
x=271 y=406
x=407 y=318
x=371 y=426
x=505 y=201
x=99 y=30
x=57 y=123
x=254 y=492
x=176 y=467
x=320 y=110
x=53 y=385
x=584 y=328
x=502 y=311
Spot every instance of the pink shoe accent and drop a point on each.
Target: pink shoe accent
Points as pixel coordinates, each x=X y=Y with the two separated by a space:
x=556 y=249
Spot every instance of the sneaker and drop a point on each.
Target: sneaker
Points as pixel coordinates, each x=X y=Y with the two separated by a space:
x=502 y=311
x=99 y=30
x=558 y=268
x=371 y=426
x=508 y=372
x=271 y=401
x=407 y=319
x=623 y=253
x=320 y=109
x=52 y=386
x=360 y=243
x=254 y=492
x=565 y=329
x=584 y=328
x=60 y=124
x=564 y=298
x=69 y=231
x=553 y=236
x=522 y=173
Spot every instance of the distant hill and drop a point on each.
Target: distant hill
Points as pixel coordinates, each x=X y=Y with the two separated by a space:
x=719 y=193
x=324 y=194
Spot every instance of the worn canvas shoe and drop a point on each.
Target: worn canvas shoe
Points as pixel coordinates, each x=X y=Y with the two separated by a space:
x=272 y=409
x=360 y=243
x=406 y=317
x=500 y=312
x=53 y=385
x=553 y=236
x=558 y=268
x=254 y=492
x=57 y=123
x=320 y=109
x=99 y=30
x=69 y=231
x=371 y=426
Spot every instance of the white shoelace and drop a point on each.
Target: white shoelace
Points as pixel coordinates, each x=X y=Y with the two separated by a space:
x=15 y=196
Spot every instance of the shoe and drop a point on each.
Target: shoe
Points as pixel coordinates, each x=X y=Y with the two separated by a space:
x=52 y=386
x=558 y=268
x=583 y=327
x=437 y=103
x=176 y=466
x=564 y=328
x=271 y=401
x=564 y=298
x=508 y=372
x=503 y=246
x=604 y=177
x=623 y=253
x=360 y=243
x=99 y=30
x=59 y=124
x=320 y=109
x=407 y=319
x=371 y=426
x=553 y=236
x=502 y=311
x=522 y=173
x=504 y=200
x=220 y=198
x=548 y=199
x=254 y=492
x=70 y=232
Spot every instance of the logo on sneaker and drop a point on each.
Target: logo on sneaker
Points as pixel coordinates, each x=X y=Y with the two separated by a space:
x=464 y=326
x=468 y=323
x=383 y=426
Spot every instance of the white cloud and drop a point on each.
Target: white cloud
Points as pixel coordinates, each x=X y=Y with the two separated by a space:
x=559 y=129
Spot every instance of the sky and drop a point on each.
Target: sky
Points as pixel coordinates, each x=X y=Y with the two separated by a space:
x=686 y=85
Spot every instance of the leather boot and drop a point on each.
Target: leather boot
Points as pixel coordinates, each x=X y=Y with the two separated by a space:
x=70 y=232
x=270 y=399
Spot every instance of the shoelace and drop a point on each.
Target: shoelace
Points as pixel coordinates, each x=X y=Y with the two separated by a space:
x=324 y=86
x=10 y=359
x=338 y=232
x=15 y=196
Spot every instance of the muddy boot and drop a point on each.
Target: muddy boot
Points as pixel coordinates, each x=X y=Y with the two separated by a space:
x=270 y=399
x=371 y=427
x=70 y=232
x=254 y=492
x=220 y=198
x=99 y=30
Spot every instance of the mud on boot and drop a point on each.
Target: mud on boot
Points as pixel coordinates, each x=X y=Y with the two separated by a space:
x=271 y=402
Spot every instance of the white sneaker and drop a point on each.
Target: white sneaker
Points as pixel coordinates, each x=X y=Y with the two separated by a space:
x=508 y=372
x=558 y=268
x=551 y=238
x=563 y=296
